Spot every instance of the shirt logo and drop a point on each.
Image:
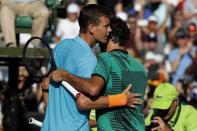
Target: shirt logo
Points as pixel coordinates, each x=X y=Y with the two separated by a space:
x=158 y=96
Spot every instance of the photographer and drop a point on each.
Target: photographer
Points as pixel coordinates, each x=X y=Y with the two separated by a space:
x=168 y=114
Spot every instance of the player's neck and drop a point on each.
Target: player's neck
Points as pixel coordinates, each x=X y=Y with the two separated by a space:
x=89 y=40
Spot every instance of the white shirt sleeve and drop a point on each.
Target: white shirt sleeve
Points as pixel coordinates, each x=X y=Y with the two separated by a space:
x=58 y=32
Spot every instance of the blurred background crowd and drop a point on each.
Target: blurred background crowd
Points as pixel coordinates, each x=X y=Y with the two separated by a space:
x=163 y=36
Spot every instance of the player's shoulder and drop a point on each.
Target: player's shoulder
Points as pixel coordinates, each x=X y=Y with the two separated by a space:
x=104 y=56
x=65 y=43
x=64 y=46
x=135 y=60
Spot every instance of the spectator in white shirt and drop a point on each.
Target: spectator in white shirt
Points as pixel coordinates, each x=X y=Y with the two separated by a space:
x=69 y=27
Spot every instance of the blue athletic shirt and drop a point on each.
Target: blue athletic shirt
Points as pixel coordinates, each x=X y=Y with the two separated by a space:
x=76 y=57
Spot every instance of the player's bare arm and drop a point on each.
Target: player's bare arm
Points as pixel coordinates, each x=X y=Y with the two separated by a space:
x=86 y=103
x=90 y=87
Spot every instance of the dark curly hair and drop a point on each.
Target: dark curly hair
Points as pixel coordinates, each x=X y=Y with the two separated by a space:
x=120 y=31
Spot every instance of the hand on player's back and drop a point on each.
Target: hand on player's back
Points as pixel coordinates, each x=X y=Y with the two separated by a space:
x=132 y=98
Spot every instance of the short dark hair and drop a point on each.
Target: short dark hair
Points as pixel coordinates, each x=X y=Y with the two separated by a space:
x=120 y=30
x=91 y=14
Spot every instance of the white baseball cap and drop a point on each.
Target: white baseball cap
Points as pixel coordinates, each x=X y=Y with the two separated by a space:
x=152 y=18
x=137 y=7
x=152 y=56
x=122 y=15
x=73 y=8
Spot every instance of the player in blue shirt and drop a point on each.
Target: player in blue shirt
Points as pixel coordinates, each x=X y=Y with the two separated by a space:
x=75 y=56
